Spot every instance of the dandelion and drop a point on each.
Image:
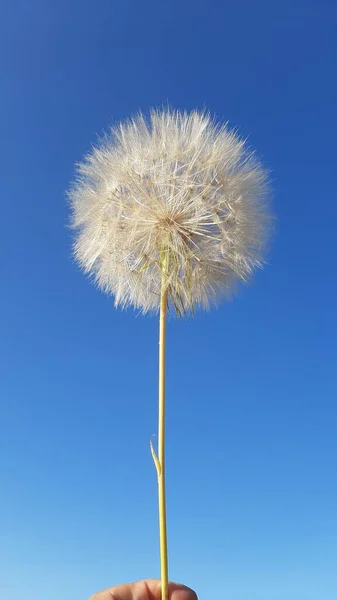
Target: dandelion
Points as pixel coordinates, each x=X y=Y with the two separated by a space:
x=169 y=213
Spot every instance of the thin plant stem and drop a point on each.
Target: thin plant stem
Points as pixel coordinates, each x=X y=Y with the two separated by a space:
x=161 y=444
x=160 y=459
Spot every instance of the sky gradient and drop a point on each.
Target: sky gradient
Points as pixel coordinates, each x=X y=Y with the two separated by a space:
x=252 y=416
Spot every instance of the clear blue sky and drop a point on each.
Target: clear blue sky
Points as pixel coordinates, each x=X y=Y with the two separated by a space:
x=252 y=444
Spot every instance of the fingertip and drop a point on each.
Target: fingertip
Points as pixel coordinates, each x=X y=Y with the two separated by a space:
x=106 y=595
x=182 y=592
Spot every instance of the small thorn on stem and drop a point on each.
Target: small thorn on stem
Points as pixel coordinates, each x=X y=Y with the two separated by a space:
x=155 y=457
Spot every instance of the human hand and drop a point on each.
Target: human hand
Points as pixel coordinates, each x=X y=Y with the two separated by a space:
x=148 y=589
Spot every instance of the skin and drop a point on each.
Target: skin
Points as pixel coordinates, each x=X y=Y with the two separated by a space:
x=148 y=589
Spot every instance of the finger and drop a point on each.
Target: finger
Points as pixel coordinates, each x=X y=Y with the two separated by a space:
x=148 y=589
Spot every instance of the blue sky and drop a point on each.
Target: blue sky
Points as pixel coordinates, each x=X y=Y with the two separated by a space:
x=252 y=442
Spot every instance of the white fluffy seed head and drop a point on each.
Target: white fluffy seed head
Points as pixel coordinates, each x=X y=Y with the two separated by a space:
x=175 y=201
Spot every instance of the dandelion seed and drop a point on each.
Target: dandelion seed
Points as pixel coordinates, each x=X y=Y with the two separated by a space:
x=180 y=184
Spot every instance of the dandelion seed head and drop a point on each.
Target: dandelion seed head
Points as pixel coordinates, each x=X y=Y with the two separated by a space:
x=178 y=194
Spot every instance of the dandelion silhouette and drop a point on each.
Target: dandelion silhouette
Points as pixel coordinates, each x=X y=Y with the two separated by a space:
x=169 y=212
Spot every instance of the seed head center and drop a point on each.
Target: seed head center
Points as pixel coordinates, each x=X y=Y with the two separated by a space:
x=168 y=222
